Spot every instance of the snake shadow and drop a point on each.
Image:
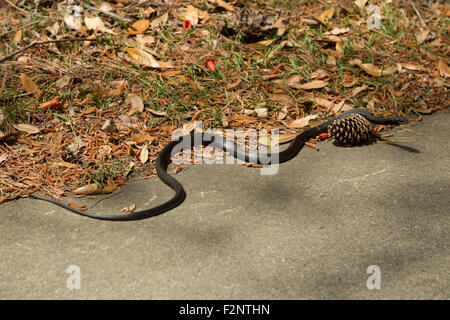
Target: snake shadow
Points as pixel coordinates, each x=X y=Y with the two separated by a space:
x=367 y=143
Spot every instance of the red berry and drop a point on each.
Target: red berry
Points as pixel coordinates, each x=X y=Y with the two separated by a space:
x=324 y=136
x=187 y=25
x=210 y=65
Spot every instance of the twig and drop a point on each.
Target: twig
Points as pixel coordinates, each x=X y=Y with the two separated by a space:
x=112 y=15
x=35 y=43
x=104 y=198
x=418 y=14
x=22 y=11
x=17 y=8
x=22 y=27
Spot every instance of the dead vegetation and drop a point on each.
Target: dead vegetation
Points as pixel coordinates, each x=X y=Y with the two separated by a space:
x=91 y=91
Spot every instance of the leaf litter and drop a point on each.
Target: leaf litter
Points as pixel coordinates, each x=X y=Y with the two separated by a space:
x=88 y=115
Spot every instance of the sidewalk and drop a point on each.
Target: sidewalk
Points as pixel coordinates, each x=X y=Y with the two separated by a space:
x=308 y=232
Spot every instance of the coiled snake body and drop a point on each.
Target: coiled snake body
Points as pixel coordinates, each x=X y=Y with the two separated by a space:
x=163 y=161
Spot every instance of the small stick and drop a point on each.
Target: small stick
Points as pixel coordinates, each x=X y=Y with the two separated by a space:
x=418 y=14
x=17 y=8
x=35 y=43
x=22 y=27
x=311 y=145
x=112 y=15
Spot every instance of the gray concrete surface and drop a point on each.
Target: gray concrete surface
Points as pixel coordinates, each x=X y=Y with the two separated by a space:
x=308 y=232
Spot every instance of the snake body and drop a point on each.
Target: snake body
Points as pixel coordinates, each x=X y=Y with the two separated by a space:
x=163 y=161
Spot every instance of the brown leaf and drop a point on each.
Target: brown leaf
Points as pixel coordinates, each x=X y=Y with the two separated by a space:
x=223 y=4
x=193 y=14
x=444 y=69
x=411 y=66
x=302 y=122
x=96 y=23
x=357 y=90
x=294 y=80
x=315 y=84
x=158 y=113
x=138 y=27
x=141 y=138
x=137 y=104
x=319 y=74
x=87 y=189
x=18 y=36
x=78 y=207
x=326 y=16
x=143 y=40
x=422 y=36
x=423 y=110
x=29 y=85
x=89 y=110
x=143 y=156
x=28 y=128
x=117 y=91
x=375 y=71
x=146 y=59
x=159 y=20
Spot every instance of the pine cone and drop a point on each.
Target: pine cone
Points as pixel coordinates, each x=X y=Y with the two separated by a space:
x=352 y=129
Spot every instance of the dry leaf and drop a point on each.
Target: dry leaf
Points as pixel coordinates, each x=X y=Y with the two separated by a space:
x=302 y=122
x=89 y=110
x=105 y=6
x=29 y=85
x=410 y=66
x=340 y=48
x=138 y=27
x=444 y=69
x=261 y=113
x=319 y=74
x=158 y=113
x=143 y=156
x=54 y=29
x=326 y=16
x=78 y=207
x=315 y=84
x=360 y=3
x=223 y=4
x=423 y=110
x=146 y=59
x=18 y=36
x=28 y=128
x=66 y=164
x=128 y=209
x=96 y=23
x=137 y=104
x=72 y=22
x=87 y=189
x=117 y=91
x=282 y=99
x=357 y=90
x=373 y=70
x=422 y=36
x=337 y=31
x=193 y=14
x=282 y=138
x=143 y=40
x=320 y=101
x=141 y=138
x=159 y=20
x=331 y=61
x=294 y=80
x=282 y=113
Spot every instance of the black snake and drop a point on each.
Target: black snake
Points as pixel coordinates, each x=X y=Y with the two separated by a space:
x=163 y=161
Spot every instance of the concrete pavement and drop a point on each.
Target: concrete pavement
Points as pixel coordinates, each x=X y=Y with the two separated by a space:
x=308 y=232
